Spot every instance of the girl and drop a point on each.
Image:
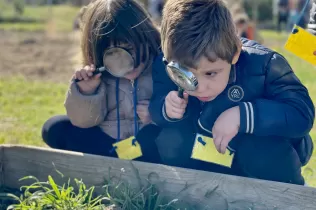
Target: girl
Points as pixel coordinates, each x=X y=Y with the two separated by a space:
x=112 y=106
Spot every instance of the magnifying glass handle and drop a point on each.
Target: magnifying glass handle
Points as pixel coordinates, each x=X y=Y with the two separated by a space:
x=180 y=92
x=97 y=71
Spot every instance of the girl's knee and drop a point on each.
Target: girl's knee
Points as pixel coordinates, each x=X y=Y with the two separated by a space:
x=175 y=146
x=53 y=128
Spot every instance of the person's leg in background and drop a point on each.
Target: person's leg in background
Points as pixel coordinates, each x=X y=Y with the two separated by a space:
x=268 y=158
x=279 y=23
x=283 y=17
x=59 y=133
x=291 y=20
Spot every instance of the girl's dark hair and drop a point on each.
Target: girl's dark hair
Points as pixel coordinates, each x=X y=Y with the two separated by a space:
x=112 y=22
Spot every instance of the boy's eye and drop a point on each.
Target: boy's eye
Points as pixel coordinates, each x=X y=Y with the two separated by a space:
x=211 y=74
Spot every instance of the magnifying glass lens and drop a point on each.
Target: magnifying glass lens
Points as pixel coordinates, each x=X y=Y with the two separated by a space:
x=118 y=61
x=184 y=79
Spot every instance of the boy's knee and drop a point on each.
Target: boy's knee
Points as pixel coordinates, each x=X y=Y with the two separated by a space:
x=146 y=138
x=270 y=159
x=53 y=128
x=175 y=146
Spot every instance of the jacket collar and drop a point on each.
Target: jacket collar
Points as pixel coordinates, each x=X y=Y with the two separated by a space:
x=232 y=75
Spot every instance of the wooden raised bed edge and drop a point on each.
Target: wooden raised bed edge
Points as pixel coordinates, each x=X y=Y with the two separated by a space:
x=208 y=190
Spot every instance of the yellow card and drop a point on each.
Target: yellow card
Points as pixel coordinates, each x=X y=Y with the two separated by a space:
x=204 y=149
x=302 y=44
x=126 y=150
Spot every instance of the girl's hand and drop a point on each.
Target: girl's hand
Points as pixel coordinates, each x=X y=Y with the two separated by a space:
x=89 y=82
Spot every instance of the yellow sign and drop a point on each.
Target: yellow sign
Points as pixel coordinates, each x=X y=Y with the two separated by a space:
x=302 y=44
x=204 y=149
x=126 y=150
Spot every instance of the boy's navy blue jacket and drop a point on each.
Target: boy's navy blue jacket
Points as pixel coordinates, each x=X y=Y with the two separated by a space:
x=272 y=100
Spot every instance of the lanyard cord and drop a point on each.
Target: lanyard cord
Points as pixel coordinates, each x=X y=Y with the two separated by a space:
x=301 y=16
x=118 y=110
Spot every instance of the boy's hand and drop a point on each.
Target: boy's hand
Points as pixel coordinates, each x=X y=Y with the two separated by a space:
x=142 y=111
x=89 y=82
x=175 y=106
x=225 y=128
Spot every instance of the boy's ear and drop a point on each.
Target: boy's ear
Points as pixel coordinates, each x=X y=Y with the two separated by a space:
x=237 y=54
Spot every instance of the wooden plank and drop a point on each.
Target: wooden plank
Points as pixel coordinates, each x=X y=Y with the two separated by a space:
x=208 y=190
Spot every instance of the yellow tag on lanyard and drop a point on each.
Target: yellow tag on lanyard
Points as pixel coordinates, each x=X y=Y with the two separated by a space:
x=302 y=44
x=128 y=149
x=204 y=149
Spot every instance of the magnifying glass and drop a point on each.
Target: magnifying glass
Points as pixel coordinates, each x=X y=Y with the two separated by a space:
x=184 y=79
x=117 y=61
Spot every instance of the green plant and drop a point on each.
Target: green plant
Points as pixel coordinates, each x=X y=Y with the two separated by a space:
x=147 y=197
x=48 y=196
x=117 y=195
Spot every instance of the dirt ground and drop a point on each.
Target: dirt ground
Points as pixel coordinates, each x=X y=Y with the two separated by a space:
x=38 y=56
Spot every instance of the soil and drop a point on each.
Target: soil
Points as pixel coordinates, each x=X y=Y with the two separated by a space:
x=39 y=56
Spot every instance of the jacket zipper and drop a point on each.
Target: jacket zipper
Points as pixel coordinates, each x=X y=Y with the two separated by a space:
x=132 y=83
x=202 y=104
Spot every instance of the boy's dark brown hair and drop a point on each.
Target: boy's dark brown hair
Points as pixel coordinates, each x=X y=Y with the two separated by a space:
x=112 y=22
x=191 y=29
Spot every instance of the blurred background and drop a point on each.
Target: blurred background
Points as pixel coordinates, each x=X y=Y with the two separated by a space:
x=40 y=49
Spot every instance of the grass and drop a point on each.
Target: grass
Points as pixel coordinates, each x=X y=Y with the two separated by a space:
x=274 y=36
x=60 y=17
x=24 y=107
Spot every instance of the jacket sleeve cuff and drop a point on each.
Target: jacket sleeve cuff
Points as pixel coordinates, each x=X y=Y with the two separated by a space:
x=246 y=118
x=164 y=114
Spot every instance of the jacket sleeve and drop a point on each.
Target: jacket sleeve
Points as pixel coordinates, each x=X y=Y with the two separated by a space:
x=286 y=110
x=162 y=85
x=86 y=111
x=312 y=20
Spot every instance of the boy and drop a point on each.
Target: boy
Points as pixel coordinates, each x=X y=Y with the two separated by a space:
x=248 y=99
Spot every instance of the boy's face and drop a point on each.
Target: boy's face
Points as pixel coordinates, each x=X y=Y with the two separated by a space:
x=212 y=78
